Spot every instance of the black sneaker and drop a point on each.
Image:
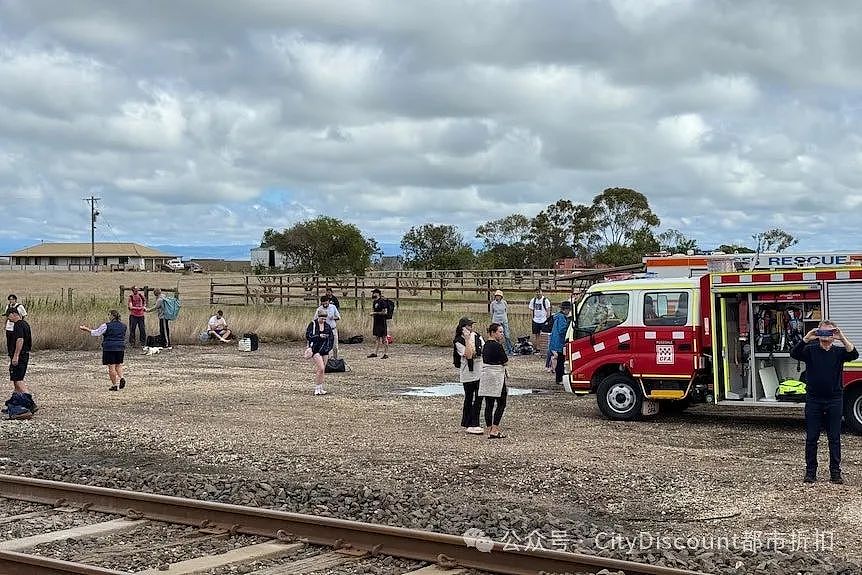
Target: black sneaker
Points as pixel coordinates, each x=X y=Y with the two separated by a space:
x=372 y=355
x=384 y=356
x=122 y=382
x=836 y=478
x=113 y=388
x=810 y=478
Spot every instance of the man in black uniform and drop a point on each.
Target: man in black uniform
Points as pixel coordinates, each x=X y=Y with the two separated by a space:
x=21 y=405
x=380 y=330
x=824 y=364
x=332 y=299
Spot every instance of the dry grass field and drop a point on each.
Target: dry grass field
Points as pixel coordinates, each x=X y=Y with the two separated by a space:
x=54 y=322
x=54 y=286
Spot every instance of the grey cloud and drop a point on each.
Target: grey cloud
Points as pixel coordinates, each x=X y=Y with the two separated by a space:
x=729 y=116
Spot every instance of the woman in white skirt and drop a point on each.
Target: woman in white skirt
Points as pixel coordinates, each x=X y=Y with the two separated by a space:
x=492 y=384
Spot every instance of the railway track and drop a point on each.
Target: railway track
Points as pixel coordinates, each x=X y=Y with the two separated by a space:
x=324 y=542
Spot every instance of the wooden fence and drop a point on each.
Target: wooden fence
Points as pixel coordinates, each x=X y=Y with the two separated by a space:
x=146 y=290
x=456 y=290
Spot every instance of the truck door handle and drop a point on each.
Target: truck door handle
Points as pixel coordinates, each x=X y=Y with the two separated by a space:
x=625 y=346
x=685 y=347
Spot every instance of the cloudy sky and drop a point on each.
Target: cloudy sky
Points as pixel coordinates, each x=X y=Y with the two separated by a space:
x=203 y=122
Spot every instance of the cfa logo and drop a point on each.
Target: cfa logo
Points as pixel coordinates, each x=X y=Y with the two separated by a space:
x=476 y=538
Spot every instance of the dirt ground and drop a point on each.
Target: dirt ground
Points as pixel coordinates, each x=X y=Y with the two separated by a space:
x=216 y=409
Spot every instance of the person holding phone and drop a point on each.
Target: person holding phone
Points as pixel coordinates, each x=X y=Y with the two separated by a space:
x=318 y=336
x=468 y=345
x=824 y=364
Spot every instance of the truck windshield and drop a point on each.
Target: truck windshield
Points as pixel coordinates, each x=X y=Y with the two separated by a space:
x=602 y=311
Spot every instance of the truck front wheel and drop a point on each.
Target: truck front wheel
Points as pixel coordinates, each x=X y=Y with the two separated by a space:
x=620 y=397
x=853 y=407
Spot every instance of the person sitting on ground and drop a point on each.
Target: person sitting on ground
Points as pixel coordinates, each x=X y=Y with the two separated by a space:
x=217 y=327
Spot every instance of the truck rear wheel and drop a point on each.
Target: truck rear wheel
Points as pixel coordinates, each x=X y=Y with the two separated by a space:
x=853 y=408
x=620 y=397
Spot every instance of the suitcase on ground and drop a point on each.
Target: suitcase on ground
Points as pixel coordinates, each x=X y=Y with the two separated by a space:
x=255 y=342
x=156 y=341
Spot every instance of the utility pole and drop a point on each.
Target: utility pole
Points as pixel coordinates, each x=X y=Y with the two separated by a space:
x=93 y=213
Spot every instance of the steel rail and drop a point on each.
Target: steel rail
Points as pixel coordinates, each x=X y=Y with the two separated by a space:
x=13 y=563
x=443 y=549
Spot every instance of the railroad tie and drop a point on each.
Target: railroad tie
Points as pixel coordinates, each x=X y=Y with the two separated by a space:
x=82 y=532
x=309 y=564
x=16 y=518
x=435 y=570
x=268 y=550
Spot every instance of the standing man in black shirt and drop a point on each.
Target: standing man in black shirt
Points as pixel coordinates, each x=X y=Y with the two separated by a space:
x=21 y=406
x=332 y=299
x=380 y=329
x=824 y=364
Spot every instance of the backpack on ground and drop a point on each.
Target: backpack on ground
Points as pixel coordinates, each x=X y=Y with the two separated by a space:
x=390 y=308
x=171 y=308
x=254 y=340
x=353 y=339
x=335 y=365
x=156 y=341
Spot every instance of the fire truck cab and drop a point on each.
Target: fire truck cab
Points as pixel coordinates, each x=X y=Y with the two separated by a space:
x=660 y=344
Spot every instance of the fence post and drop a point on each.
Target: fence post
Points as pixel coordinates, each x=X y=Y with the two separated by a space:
x=317 y=288
x=356 y=291
x=398 y=289
x=246 y=290
x=212 y=295
x=69 y=292
x=441 y=293
x=281 y=291
x=122 y=291
x=489 y=291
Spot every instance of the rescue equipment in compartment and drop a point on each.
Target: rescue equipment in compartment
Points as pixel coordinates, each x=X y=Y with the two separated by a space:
x=765 y=325
x=791 y=390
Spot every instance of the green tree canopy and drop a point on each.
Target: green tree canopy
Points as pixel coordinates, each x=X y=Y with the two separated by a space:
x=505 y=243
x=325 y=246
x=434 y=247
x=774 y=240
x=734 y=249
x=620 y=214
x=642 y=242
x=562 y=230
x=676 y=242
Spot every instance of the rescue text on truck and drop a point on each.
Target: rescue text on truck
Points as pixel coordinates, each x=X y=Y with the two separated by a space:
x=649 y=345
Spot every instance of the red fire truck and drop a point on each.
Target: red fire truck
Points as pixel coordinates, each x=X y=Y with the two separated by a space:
x=660 y=344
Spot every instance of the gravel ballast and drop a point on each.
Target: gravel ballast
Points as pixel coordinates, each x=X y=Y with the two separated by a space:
x=214 y=423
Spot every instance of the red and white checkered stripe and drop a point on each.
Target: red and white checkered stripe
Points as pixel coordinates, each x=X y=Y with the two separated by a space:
x=788 y=276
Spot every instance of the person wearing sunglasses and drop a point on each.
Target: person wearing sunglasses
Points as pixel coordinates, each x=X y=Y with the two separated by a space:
x=824 y=402
x=319 y=337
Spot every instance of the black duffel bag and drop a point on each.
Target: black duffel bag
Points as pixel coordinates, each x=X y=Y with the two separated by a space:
x=335 y=365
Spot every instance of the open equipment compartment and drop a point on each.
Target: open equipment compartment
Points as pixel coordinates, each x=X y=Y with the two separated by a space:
x=759 y=326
